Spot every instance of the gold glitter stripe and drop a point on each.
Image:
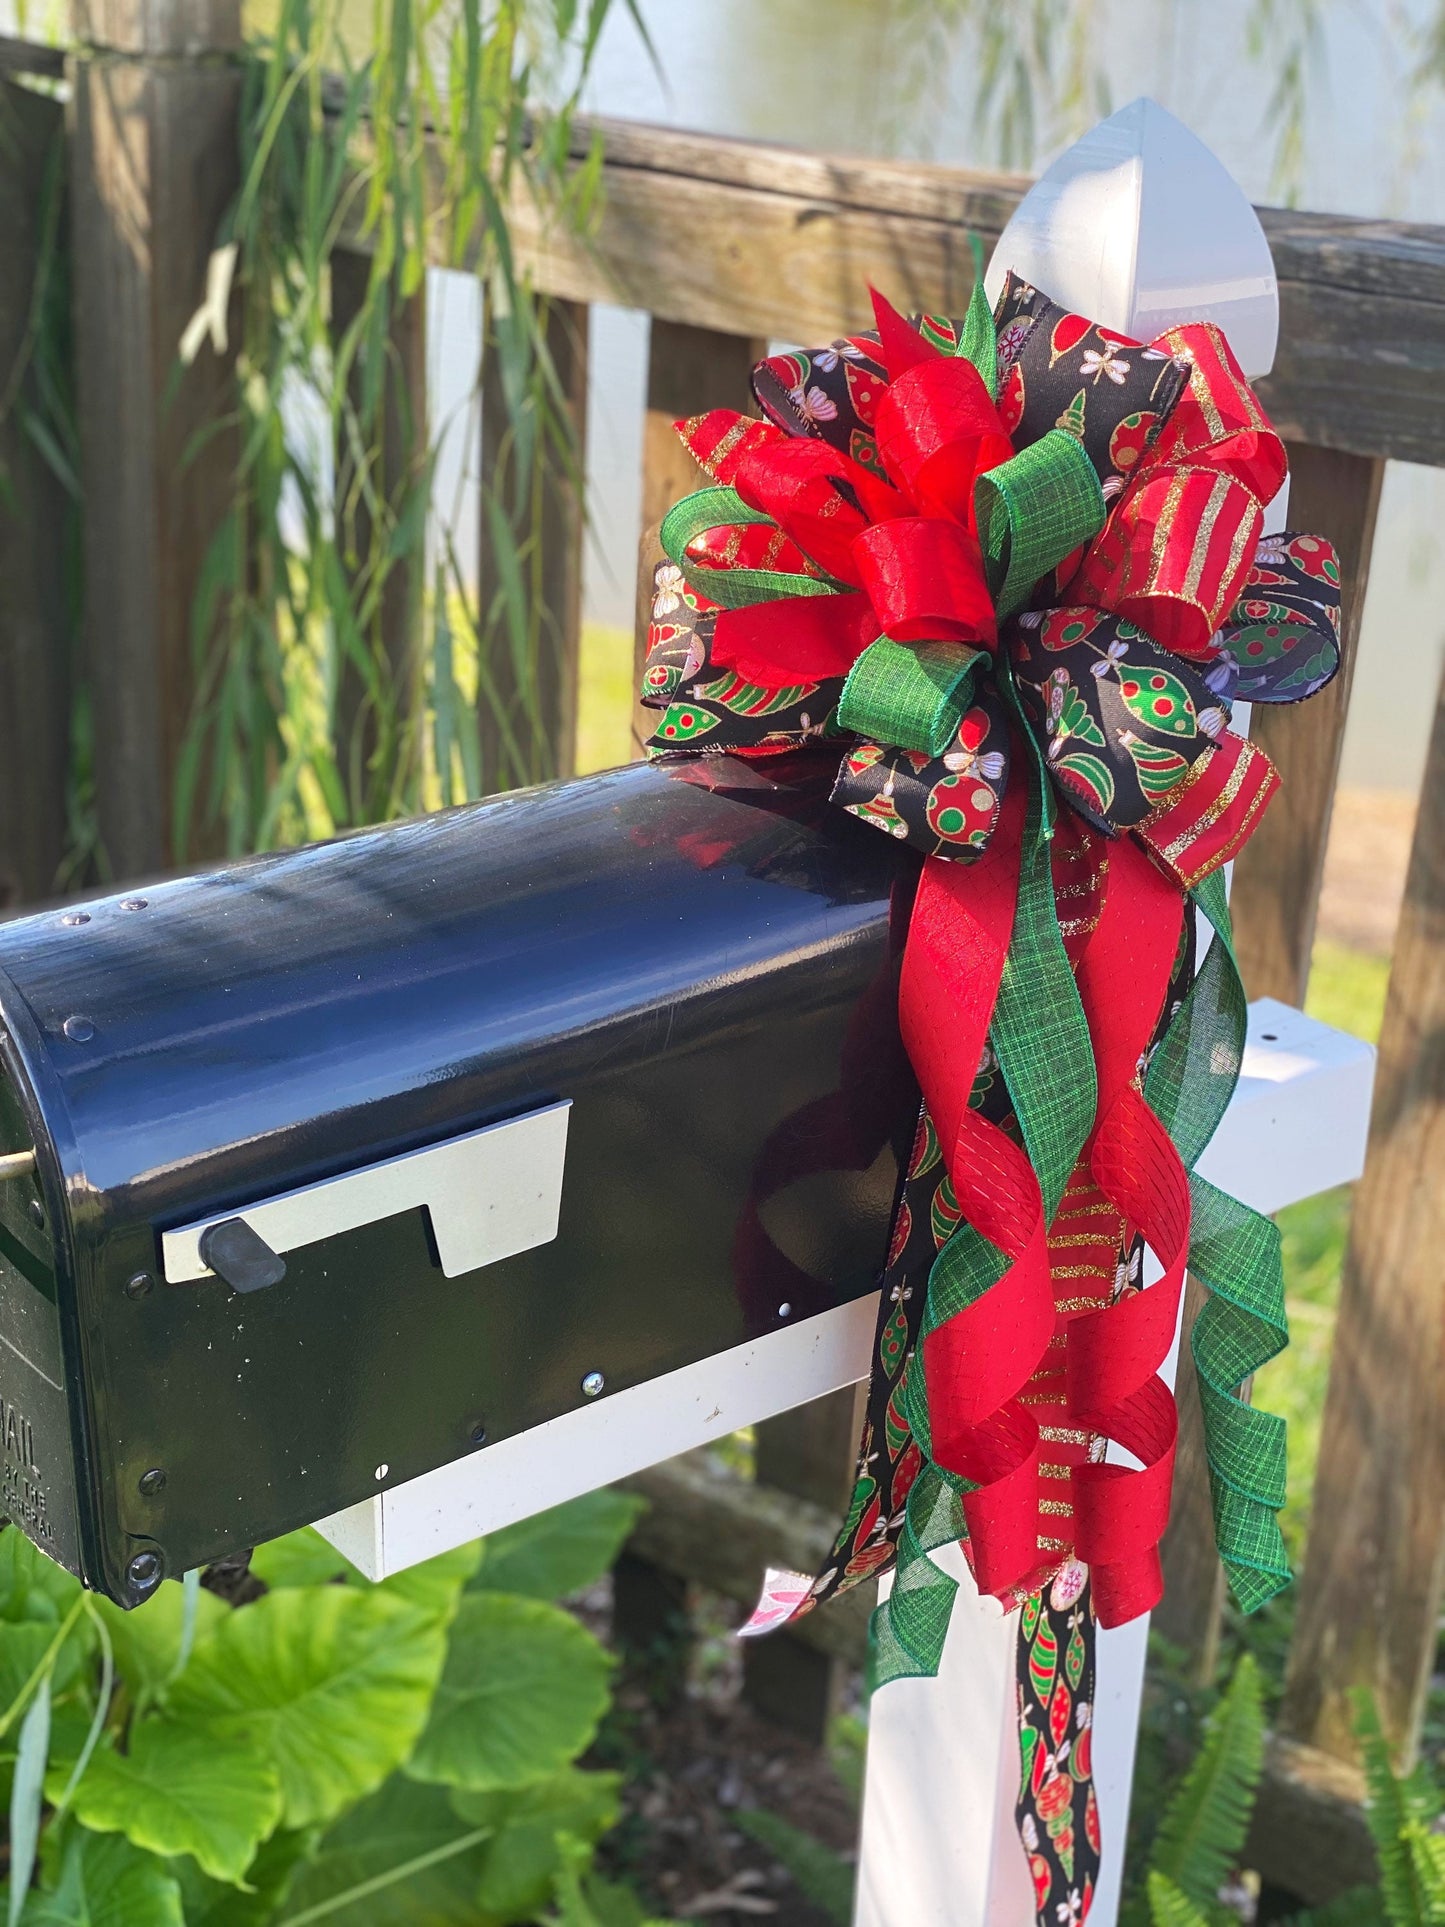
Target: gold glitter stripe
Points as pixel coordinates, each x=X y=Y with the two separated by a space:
x=1048 y=1470
x=1056 y=1508
x=1242 y=833
x=1063 y=1435
x=1219 y=493
x=726 y=444
x=1057 y=1242
x=1055 y=1545
x=1186 y=839
x=1078 y=1304
x=1163 y=526
x=1073 y=1271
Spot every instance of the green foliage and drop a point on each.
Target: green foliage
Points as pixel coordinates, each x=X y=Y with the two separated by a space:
x=522 y=1861
x=1404 y=1815
x=817 y=1872
x=522 y=1693
x=106 y=1882
x=1171 y=1908
x=562 y=1551
x=397 y=1755
x=340 y=666
x=1205 y=1823
x=333 y=1686
x=180 y=1789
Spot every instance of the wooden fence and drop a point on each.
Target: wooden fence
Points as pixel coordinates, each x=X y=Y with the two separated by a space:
x=727 y=244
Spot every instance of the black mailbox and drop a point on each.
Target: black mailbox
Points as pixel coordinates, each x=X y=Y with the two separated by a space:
x=324 y=1169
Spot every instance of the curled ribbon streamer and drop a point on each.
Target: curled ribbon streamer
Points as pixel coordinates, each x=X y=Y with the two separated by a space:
x=1011 y=565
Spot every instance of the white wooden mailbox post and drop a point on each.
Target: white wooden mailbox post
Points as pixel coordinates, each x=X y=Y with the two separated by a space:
x=1139 y=227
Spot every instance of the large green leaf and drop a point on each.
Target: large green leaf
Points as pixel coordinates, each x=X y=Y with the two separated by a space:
x=32 y=1586
x=436 y=1585
x=147 y=1641
x=335 y=1683
x=561 y=1551
x=305 y=1559
x=212 y=1903
x=399 y=1825
x=183 y=1790
x=106 y=1882
x=523 y=1690
x=520 y=1866
x=23 y=1645
x=301 y=1558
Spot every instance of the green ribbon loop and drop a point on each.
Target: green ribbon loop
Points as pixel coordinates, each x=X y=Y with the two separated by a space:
x=713 y=508
x=911 y=695
x=1033 y=510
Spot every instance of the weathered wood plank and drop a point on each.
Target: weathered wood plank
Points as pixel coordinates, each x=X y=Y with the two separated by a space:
x=723 y=1531
x=1308 y=1836
x=527 y=713
x=403 y=449
x=752 y=239
x=154 y=165
x=1277 y=879
x=35 y=616
x=689 y=370
x=1370 y=1599
x=1188 y=1616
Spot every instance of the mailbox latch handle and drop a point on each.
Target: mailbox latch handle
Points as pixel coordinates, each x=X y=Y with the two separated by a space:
x=241 y=1256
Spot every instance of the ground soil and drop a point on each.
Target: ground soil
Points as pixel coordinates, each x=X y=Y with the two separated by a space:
x=695 y=1759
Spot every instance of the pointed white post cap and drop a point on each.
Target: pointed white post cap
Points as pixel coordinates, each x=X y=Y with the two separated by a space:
x=1139 y=226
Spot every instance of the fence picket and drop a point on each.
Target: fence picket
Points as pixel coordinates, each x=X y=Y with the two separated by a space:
x=35 y=619
x=1369 y=1602
x=1277 y=880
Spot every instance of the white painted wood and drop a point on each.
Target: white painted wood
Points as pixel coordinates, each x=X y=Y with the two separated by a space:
x=1296 y=1127
x=1140 y=227
x=489 y=1194
x=620 y=1432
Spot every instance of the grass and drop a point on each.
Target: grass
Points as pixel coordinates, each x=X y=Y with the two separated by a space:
x=604 y=698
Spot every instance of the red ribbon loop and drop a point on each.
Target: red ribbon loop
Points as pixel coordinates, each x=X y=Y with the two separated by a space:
x=937 y=432
x=925 y=579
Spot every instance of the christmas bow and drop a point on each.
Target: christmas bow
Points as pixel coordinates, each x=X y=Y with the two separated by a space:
x=1009 y=564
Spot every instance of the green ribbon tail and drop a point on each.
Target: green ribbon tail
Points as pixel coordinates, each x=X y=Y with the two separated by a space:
x=1235 y=1253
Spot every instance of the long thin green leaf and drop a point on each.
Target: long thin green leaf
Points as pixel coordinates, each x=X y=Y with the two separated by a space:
x=26 y=1794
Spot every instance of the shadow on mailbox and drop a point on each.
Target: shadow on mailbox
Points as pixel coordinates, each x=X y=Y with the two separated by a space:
x=355 y=1159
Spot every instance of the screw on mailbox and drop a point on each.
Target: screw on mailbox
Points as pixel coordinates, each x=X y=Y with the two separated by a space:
x=152 y=1483
x=73 y=917
x=592 y=1384
x=145 y=1571
x=139 y=1284
x=79 y=1030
